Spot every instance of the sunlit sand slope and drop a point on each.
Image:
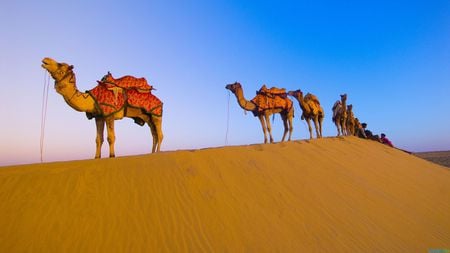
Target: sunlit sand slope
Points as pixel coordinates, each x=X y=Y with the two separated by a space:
x=328 y=195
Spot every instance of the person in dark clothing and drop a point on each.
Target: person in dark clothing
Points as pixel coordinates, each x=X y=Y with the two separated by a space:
x=367 y=132
x=385 y=140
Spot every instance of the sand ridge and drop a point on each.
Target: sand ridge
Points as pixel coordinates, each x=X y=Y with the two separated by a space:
x=332 y=194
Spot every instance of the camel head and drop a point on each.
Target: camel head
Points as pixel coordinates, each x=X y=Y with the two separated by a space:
x=349 y=107
x=58 y=71
x=295 y=93
x=233 y=87
x=344 y=97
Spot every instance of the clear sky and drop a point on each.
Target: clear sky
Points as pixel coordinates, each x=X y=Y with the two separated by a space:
x=392 y=58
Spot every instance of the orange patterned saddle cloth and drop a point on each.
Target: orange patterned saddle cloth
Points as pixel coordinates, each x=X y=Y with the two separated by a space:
x=112 y=95
x=272 y=92
x=273 y=98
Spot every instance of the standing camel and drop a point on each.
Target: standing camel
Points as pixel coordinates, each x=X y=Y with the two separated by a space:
x=340 y=115
x=65 y=84
x=286 y=112
x=350 y=122
x=312 y=110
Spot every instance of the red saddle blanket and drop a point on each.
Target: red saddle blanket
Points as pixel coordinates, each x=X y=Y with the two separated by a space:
x=111 y=97
x=126 y=82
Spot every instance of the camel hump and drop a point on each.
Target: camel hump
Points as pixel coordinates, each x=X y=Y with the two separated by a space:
x=127 y=82
x=312 y=97
x=337 y=104
x=274 y=91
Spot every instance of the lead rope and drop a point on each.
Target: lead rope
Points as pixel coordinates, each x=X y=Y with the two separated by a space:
x=228 y=120
x=44 y=111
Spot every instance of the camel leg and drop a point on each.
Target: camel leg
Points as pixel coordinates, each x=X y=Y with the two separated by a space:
x=286 y=126
x=153 y=132
x=111 y=135
x=320 y=126
x=309 y=127
x=316 y=126
x=269 y=126
x=343 y=127
x=156 y=128
x=159 y=132
x=263 y=125
x=291 y=126
x=100 y=124
x=337 y=122
x=350 y=129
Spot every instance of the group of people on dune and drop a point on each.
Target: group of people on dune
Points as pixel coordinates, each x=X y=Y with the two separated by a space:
x=365 y=133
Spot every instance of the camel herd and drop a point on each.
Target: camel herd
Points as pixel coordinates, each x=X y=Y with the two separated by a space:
x=343 y=116
x=132 y=101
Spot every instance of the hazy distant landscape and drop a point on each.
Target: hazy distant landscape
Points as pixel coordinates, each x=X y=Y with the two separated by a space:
x=439 y=157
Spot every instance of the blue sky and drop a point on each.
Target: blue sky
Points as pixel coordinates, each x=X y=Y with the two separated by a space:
x=390 y=57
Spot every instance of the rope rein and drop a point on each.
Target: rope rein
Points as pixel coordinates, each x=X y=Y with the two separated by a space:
x=44 y=112
x=228 y=120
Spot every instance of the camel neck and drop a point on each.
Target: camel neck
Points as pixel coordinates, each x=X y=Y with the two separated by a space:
x=79 y=101
x=302 y=103
x=244 y=103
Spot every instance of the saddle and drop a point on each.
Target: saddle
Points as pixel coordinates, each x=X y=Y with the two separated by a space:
x=271 y=99
x=272 y=92
x=112 y=95
x=126 y=82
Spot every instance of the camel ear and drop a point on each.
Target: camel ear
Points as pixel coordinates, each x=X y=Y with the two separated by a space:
x=70 y=67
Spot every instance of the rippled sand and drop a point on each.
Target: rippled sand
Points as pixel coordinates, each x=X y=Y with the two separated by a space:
x=328 y=195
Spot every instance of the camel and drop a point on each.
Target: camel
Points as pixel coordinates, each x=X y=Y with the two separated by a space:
x=312 y=110
x=287 y=113
x=340 y=115
x=350 y=122
x=65 y=85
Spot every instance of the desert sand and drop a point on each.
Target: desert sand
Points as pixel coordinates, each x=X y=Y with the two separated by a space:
x=326 y=195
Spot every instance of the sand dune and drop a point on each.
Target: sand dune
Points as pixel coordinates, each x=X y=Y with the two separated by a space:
x=328 y=195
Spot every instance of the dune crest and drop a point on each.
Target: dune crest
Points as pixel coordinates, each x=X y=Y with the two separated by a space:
x=325 y=195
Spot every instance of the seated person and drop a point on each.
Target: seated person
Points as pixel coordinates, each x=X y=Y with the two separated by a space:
x=385 y=140
x=367 y=132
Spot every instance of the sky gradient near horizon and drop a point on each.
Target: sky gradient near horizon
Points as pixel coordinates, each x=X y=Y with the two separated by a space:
x=390 y=57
